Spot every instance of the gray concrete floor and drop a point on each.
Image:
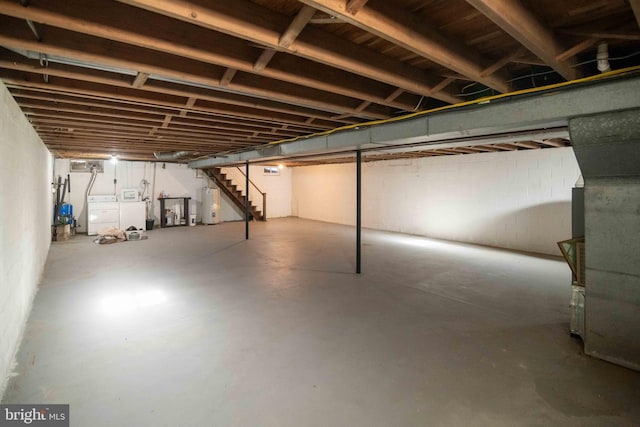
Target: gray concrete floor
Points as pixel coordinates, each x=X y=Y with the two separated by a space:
x=198 y=327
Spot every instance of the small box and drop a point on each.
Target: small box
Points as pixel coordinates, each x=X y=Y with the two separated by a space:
x=62 y=232
x=134 y=234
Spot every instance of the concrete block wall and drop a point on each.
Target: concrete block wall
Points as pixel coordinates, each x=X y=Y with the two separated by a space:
x=517 y=200
x=26 y=211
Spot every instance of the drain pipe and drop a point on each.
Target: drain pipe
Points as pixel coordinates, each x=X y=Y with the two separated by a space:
x=603 y=57
x=153 y=196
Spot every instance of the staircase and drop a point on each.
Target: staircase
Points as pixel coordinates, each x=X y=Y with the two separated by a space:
x=235 y=195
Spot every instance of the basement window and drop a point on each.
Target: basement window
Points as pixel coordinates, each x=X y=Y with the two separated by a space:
x=271 y=170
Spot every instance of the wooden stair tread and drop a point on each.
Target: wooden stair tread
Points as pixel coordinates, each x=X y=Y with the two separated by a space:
x=232 y=191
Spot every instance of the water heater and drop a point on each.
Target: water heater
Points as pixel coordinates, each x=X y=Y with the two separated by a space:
x=210 y=205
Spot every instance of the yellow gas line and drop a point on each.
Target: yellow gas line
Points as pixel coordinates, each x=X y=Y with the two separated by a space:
x=484 y=100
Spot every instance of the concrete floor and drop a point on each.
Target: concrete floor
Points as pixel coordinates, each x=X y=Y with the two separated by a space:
x=198 y=327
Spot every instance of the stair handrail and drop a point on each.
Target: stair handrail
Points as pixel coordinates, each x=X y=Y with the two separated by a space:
x=264 y=195
x=252 y=183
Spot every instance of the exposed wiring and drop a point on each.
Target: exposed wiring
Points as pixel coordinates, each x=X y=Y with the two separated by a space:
x=486 y=89
x=469 y=85
x=527 y=76
x=483 y=100
x=532 y=75
x=419 y=103
x=542 y=73
x=619 y=58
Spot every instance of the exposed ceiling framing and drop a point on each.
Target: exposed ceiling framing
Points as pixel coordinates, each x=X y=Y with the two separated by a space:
x=134 y=77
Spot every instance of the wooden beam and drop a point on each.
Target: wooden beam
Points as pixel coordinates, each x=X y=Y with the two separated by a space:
x=505 y=147
x=444 y=83
x=354 y=6
x=398 y=26
x=635 y=6
x=458 y=77
x=93 y=111
x=48 y=118
x=527 y=144
x=20 y=95
x=228 y=75
x=71 y=45
x=553 y=142
x=129 y=143
x=120 y=22
x=396 y=93
x=237 y=18
x=325 y=19
x=445 y=151
x=529 y=61
x=263 y=59
x=246 y=124
x=182 y=140
x=297 y=25
x=38 y=115
x=106 y=90
x=173 y=137
x=576 y=49
x=465 y=150
x=140 y=80
x=485 y=148
x=202 y=119
x=90 y=90
x=523 y=26
x=502 y=62
x=603 y=34
x=363 y=105
x=97 y=133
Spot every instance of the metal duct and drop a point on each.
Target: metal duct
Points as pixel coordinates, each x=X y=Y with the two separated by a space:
x=171 y=156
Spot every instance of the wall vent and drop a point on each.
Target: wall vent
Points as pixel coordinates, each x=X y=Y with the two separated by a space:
x=87 y=165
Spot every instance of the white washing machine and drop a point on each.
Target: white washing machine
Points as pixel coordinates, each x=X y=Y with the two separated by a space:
x=103 y=211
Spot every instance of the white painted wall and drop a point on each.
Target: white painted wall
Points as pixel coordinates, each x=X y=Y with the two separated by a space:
x=26 y=213
x=175 y=180
x=325 y=193
x=518 y=200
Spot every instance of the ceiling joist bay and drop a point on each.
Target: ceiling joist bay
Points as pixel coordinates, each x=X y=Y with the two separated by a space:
x=213 y=77
x=249 y=21
x=137 y=27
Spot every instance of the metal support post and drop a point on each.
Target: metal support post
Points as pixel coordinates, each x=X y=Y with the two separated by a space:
x=246 y=202
x=358 y=209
